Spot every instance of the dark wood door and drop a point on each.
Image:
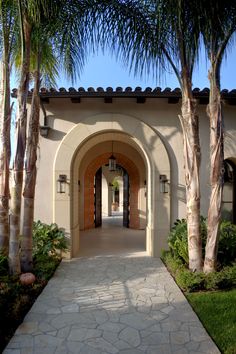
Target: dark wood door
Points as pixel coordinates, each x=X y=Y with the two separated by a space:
x=125 y=199
x=98 y=198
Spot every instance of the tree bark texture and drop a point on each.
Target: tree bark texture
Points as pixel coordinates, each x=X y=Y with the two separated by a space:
x=192 y=157
x=5 y=152
x=214 y=111
x=15 y=207
x=18 y=165
x=30 y=177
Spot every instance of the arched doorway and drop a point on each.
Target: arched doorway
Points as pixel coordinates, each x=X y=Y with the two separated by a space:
x=150 y=148
x=229 y=191
x=111 y=194
x=134 y=204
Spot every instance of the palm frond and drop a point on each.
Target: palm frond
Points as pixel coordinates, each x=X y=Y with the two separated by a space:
x=151 y=36
x=218 y=23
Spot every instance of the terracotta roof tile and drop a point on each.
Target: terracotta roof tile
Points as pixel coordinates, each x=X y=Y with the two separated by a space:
x=120 y=92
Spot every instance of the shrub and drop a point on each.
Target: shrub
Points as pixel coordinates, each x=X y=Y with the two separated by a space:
x=211 y=281
x=227 y=243
x=178 y=238
x=48 y=240
x=44 y=266
x=15 y=298
x=3 y=264
x=189 y=281
x=223 y=279
x=173 y=263
x=178 y=241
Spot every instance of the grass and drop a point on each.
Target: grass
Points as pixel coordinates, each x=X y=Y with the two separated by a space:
x=216 y=308
x=217 y=312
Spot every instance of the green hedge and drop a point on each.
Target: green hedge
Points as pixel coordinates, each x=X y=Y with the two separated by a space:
x=198 y=281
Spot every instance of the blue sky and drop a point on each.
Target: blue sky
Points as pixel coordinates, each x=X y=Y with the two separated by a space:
x=103 y=70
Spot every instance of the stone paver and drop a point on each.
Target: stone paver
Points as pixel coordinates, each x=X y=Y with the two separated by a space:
x=111 y=304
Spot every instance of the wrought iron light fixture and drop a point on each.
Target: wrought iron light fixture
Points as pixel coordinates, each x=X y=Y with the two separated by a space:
x=61 y=184
x=44 y=130
x=163 y=184
x=112 y=161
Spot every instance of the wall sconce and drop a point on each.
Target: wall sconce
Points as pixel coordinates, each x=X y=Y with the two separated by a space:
x=112 y=161
x=44 y=130
x=163 y=184
x=61 y=184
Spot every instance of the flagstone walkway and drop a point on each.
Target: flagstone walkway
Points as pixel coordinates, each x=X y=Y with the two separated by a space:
x=111 y=304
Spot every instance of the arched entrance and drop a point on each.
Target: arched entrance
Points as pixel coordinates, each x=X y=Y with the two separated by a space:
x=133 y=204
x=111 y=194
x=229 y=191
x=150 y=149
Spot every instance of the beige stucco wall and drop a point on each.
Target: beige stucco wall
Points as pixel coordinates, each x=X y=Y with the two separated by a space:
x=161 y=117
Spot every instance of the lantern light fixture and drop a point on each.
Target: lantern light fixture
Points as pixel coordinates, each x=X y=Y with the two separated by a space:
x=61 y=184
x=163 y=184
x=112 y=161
x=44 y=130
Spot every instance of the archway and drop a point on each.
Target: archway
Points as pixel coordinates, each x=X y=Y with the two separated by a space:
x=145 y=141
x=134 y=178
x=112 y=195
x=229 y=191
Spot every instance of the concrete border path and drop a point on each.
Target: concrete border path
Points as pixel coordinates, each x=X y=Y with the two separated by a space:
x=111 y=304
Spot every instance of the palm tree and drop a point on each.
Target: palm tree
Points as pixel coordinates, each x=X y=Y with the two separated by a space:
x=65 y=34
x=7 y=39
x=29 y=14
x=42 y=58
x=218 y=21
x=153 y=34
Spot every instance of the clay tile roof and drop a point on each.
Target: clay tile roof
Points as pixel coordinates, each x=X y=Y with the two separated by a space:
x=62 y=89
x=127 y=92
x=71 y=89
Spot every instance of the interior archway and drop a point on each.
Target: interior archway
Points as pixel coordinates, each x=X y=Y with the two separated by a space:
x=229 y=191
x=135 y=188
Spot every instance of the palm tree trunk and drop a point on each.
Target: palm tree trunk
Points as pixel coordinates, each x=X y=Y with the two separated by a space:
x=5 y=152
x=18 y=166
x=214 y=111
x=30 y=175
x=192 y=157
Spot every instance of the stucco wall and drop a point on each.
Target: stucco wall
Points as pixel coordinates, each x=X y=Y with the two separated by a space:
x=157 y=113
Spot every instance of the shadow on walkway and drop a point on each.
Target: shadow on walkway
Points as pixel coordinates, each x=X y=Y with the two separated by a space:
x=110 y=305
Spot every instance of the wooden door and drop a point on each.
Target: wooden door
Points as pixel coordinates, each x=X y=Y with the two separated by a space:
x=125 y=199
x=98 y=198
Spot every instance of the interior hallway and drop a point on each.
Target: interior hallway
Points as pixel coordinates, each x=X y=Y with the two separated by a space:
x=111 y=239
